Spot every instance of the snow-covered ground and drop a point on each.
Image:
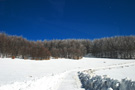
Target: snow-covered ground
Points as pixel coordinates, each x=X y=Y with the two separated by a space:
x=119 y=72
x=58 y=74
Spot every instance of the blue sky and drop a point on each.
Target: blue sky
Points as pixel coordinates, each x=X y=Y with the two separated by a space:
x=62 y=19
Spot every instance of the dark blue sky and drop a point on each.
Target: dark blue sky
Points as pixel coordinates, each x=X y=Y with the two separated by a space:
x=62 y=19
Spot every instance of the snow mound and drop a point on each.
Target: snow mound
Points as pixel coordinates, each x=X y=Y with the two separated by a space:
x=96 y=82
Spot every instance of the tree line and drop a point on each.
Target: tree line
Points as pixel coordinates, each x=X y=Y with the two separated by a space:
x=14 y=46
x=113 y=47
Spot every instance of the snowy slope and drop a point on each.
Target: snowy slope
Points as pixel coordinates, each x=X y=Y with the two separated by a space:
x=56 y=74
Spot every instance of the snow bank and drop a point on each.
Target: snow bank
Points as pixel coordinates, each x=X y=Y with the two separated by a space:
x=96 y=82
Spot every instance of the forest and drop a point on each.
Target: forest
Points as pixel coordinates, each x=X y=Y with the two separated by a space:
x=122 y=47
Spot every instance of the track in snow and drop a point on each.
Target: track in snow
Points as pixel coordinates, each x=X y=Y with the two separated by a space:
x=64 y=81
x=113 y=66
x=91 y=81
x=71 y=82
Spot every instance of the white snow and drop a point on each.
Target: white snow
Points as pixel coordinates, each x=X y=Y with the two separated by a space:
x=58 y=74
x=122 y=72
x=45 y=83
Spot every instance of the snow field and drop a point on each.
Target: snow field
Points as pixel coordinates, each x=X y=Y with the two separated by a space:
x=44 y=83
x=57 y=74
